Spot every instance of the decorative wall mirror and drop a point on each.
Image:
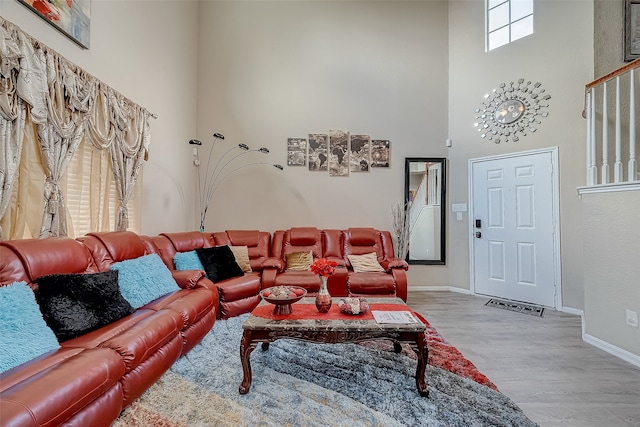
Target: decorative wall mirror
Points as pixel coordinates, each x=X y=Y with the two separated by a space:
x=424 y=192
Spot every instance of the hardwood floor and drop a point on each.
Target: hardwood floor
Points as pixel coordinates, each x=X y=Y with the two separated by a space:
x=542 y=364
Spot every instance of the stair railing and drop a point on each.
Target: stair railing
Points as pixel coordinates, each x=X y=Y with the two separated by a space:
x=600 y=106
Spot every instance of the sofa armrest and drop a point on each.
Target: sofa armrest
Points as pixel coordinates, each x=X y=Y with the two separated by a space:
x=388 y=264
x=187 y=279
x=276 y=263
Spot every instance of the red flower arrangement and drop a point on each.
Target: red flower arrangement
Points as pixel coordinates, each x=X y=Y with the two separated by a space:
x=323 y=267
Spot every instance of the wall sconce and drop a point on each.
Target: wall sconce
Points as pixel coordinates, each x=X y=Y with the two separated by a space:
x=214 y=176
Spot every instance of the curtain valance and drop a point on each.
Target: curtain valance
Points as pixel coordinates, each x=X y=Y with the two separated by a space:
x=66 y=104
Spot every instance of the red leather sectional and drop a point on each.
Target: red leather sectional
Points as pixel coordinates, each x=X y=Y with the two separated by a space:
x=90 y=379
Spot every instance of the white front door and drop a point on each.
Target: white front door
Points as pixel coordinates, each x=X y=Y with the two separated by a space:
x=513 y=224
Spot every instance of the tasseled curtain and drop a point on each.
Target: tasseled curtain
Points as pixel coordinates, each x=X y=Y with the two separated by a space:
x=65 y=104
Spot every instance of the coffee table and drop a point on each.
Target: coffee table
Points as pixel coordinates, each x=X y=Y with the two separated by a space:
x=307 y=324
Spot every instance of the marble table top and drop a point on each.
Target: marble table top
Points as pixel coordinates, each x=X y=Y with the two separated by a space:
x=321 y=322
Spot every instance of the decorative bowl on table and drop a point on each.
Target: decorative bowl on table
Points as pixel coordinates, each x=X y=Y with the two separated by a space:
x=353 y=305
x=282 y=297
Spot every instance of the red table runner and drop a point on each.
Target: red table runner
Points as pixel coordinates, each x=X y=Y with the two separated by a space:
x=309 y=312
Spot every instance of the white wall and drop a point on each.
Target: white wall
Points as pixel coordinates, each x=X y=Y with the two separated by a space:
x=274 y=70
x=558 y=55
x=148 y=52
x=611 y=268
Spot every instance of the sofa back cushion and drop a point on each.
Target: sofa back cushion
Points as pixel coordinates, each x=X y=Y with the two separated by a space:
x=360 y=241
x=110 y=247
x=257 y=243
x=11 y=267
x=74 y=304
x=299 y=239
x=144 y=279
x=170 y=244
x=40 y=257
x=23 y=332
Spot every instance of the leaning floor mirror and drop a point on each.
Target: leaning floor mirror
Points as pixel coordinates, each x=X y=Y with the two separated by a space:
x=424 y=190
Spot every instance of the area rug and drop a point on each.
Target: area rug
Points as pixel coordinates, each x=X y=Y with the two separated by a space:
x=518 y=307
x=297 y=383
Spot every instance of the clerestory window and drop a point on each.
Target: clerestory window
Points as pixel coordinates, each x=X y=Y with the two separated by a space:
x=508 y=20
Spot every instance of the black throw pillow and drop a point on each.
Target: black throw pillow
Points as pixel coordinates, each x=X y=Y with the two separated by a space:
x=74 y=304
x=219 y=263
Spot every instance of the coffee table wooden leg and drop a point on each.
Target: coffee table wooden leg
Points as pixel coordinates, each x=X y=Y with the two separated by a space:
x=423 y=356
x=246 y=347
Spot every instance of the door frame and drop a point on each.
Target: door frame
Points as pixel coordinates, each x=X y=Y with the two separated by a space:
x=555 y=201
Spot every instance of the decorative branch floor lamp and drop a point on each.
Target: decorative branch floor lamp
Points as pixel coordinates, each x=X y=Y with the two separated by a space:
x=220 y=172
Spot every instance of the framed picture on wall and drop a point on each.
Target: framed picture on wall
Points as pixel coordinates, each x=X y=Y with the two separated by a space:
x=71 y=17
x=380 y=153
x=318 y=152
x=338 y=153
x=296 y=151
x=631 y=30
x=360 y=152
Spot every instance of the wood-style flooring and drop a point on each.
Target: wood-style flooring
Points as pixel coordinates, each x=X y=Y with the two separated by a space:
x=542 y=364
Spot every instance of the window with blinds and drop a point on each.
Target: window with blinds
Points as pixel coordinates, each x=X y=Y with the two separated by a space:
x=91 y=196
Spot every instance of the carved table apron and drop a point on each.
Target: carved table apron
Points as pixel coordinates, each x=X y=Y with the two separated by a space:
x=321 y=329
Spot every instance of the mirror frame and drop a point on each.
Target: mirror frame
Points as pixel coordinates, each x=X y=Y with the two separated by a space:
x=443 y=205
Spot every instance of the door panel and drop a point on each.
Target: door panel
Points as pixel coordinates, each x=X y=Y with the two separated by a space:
x=514 y=252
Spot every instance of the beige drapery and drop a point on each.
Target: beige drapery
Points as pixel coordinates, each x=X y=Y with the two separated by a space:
x=66 y=104
x=12 y=118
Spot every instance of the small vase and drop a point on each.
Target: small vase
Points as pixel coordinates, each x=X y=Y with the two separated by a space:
x=323 y=299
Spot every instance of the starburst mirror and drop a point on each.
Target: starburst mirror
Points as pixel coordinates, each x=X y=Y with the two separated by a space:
x=511 y=111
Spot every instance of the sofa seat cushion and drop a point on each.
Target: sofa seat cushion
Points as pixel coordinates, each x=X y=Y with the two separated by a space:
x=144 y=279
x=50 y=390
x=304 y=279
x=239 y=287
x=74 y=304
x=192 y=304
x=371 y=284
x=23 y=332
x=135 y=337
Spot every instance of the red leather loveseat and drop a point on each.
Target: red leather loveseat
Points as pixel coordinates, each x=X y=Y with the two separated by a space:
x=339 y=246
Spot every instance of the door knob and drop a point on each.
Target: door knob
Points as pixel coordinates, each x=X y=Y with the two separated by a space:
x=478 y=234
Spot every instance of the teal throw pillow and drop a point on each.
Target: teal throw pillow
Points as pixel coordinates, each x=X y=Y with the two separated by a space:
x=144 y=279
x=23 y=332
x=187 y=261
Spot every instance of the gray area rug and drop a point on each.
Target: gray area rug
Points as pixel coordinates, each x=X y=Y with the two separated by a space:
x=304 y=384
x=518 y=307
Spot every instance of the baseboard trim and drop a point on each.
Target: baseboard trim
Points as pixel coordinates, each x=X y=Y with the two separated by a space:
x=570 y=310
x=439 y=289
x=612 y=349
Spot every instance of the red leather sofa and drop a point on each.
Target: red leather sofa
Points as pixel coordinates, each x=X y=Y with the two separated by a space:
x=91 y=378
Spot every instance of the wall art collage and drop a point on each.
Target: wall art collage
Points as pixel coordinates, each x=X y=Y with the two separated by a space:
x=339 y=152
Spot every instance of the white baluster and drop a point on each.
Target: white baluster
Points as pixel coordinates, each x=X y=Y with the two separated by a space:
x=593 y=169
x=617 y=167
x=587 y=110
x=633 y=164
x=605 y=136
